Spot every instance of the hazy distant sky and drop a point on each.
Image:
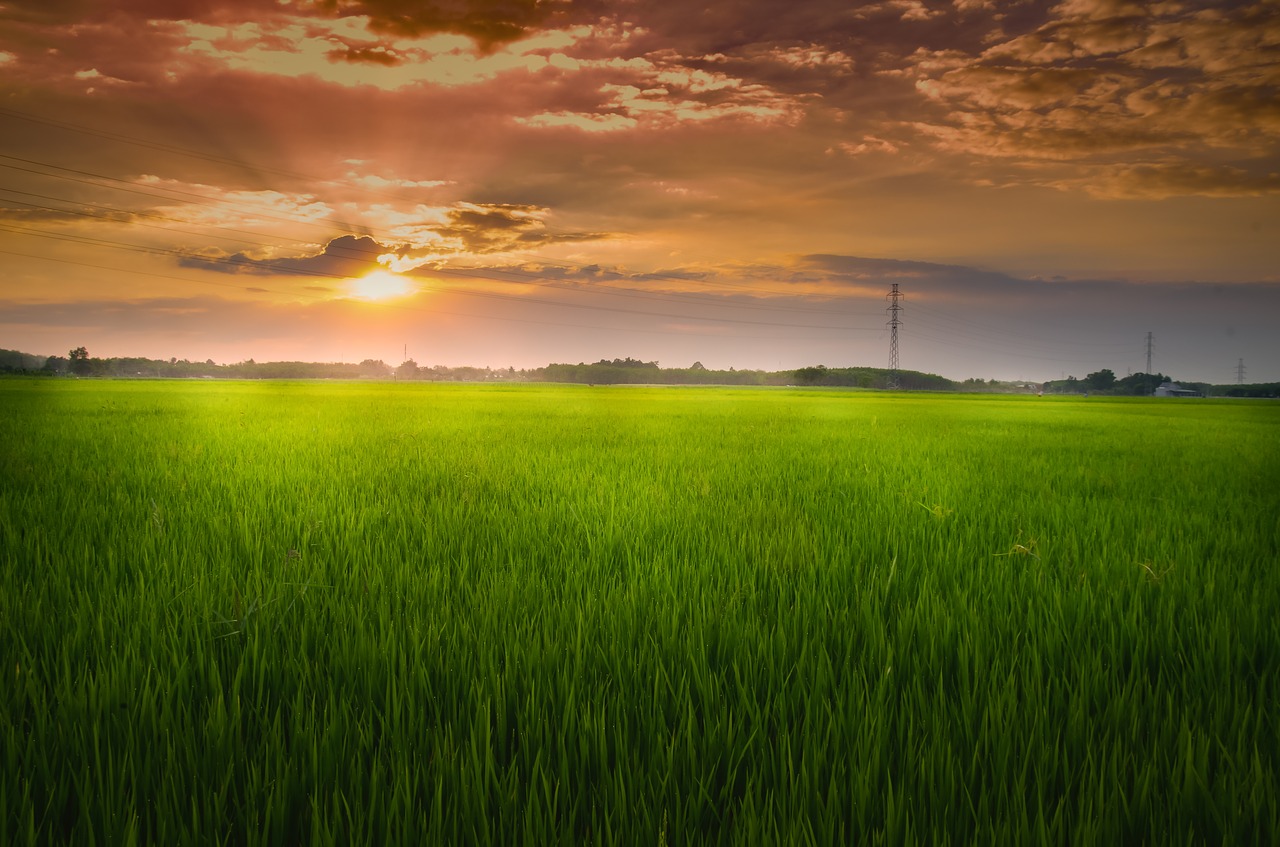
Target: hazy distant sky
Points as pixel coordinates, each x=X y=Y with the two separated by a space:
x=736 y=182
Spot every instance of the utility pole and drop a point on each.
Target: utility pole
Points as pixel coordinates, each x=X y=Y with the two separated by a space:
x=894 y=308
x=1148 y=352
x=1240 y=373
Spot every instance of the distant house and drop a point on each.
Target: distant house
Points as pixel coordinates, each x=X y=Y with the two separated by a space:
x=1172 y=389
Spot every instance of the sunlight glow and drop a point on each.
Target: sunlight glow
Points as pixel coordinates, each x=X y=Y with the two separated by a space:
x=379 y=285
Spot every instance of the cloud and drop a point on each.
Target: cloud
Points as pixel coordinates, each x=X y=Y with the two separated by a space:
x=1022 y=90
x=424 y=236
x=494 y=228
x=811 y=56
x=376 y=182
x=590 y=77
x=1103 y=78
x=905 y=10
x=584 y=121
x=1161 y=181
x=488 y=22
x=209 y=205
x=373 y=54
x=868 y=144
x=595 y=275
x=674 y=133
x=662 y=90
x=343 y=257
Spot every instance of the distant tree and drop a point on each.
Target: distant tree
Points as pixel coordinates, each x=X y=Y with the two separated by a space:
x=1101 y=380
x=811 y=375
x=1140 y=384
x=408 y=370
x=79 y=358
x=15 y=361
x=374 y=368
x=697 y=366
x=629 y=363
x=1262 y=389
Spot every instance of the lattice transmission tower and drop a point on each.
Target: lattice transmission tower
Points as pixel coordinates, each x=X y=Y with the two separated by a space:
x=894 y=322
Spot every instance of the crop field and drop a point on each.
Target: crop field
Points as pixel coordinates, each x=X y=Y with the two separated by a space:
x=376 y=613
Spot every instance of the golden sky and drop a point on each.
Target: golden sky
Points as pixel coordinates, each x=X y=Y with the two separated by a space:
x=516 y=182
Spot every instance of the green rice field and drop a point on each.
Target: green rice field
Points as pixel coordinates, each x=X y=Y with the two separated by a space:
x=379 y=613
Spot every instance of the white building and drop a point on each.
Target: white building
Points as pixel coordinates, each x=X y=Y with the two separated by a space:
x=1172 y=389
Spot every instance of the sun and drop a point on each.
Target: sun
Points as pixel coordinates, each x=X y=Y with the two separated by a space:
x=379 y=285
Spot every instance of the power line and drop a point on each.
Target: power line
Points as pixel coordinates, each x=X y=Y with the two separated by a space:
x=258 y=169
x=360 y=254
x=129 y=217
x=320 y=298
x=517 y=276
x=924 y=313
x=951 y=326
x=934 y=331
x=951 y=344
x=88 y=177
x=508 y=274
x=183 y=151
x=287 y=269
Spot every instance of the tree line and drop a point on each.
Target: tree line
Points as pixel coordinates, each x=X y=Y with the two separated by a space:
x=79 y=363
x=1144 y=385
x=627 y=371
x=1106 y=382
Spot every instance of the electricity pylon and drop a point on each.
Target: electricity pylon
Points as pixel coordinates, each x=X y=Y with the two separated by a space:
x=894 y=308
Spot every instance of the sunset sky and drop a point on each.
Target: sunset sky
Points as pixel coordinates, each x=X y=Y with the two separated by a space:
x=517 y=182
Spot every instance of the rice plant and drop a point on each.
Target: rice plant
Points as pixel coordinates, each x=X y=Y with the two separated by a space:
x=272 y=613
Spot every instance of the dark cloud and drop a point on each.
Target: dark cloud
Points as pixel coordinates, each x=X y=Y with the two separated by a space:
x=373 y=55
x=579 y=275
x=498 y=227
x=1156 y=84
x=487 y=22
x=346 y=256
